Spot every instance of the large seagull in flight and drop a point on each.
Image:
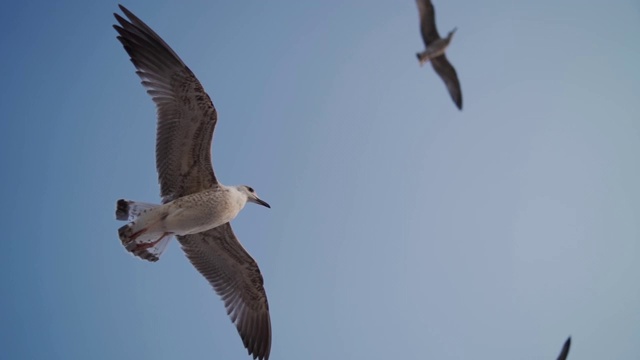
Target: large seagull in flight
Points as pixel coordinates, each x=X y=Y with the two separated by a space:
x=196 y=208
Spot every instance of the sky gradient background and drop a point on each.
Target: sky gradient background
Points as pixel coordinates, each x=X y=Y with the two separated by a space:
x=400 y=227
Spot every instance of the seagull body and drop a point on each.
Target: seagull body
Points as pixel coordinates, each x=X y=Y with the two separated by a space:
x=435 y=48
x=187 y=215
x=196 y=208
x=565 y=349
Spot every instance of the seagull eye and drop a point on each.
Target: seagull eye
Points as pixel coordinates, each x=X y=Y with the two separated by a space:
x=250 y=188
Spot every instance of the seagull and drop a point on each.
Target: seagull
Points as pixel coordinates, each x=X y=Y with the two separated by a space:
x=435 y=48
x=565 y=349
x=195 y=208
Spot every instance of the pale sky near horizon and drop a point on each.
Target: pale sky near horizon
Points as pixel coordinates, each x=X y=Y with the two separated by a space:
x=400 y=227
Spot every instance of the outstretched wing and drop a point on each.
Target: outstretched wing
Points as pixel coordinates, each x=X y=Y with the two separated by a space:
x=427 y=21
x=186 y=115
x=220 y=258
x=448 y=74
x=565 y=349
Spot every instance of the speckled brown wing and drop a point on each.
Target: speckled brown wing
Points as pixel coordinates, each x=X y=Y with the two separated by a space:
x=220 y=258
x=565 y=349
x=186 y=115
x=448 y=74
x=186 y=121
x=427 y=21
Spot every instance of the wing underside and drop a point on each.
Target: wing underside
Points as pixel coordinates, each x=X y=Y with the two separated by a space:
x=234 y=275
x=186 y=115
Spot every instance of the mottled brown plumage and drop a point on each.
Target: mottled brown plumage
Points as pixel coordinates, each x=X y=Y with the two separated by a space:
x=435 y=50
x=186 y=121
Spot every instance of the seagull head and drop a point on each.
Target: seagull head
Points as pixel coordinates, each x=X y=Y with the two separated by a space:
x=252 y=196
x=452 y=32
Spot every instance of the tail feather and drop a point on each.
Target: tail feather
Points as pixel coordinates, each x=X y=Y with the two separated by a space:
x=422 y=57
x=144 y=241
x=127 y=210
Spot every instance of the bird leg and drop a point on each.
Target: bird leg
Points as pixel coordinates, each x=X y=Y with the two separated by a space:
x=136 y=247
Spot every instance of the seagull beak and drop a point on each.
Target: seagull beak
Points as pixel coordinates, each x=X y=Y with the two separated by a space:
x=262 y=202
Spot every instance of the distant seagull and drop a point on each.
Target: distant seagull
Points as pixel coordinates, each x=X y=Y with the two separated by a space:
x=565 y=349
x=196 y=207
x=435 y=48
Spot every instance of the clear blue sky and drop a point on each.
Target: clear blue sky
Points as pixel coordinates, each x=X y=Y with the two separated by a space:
x=400 y=227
